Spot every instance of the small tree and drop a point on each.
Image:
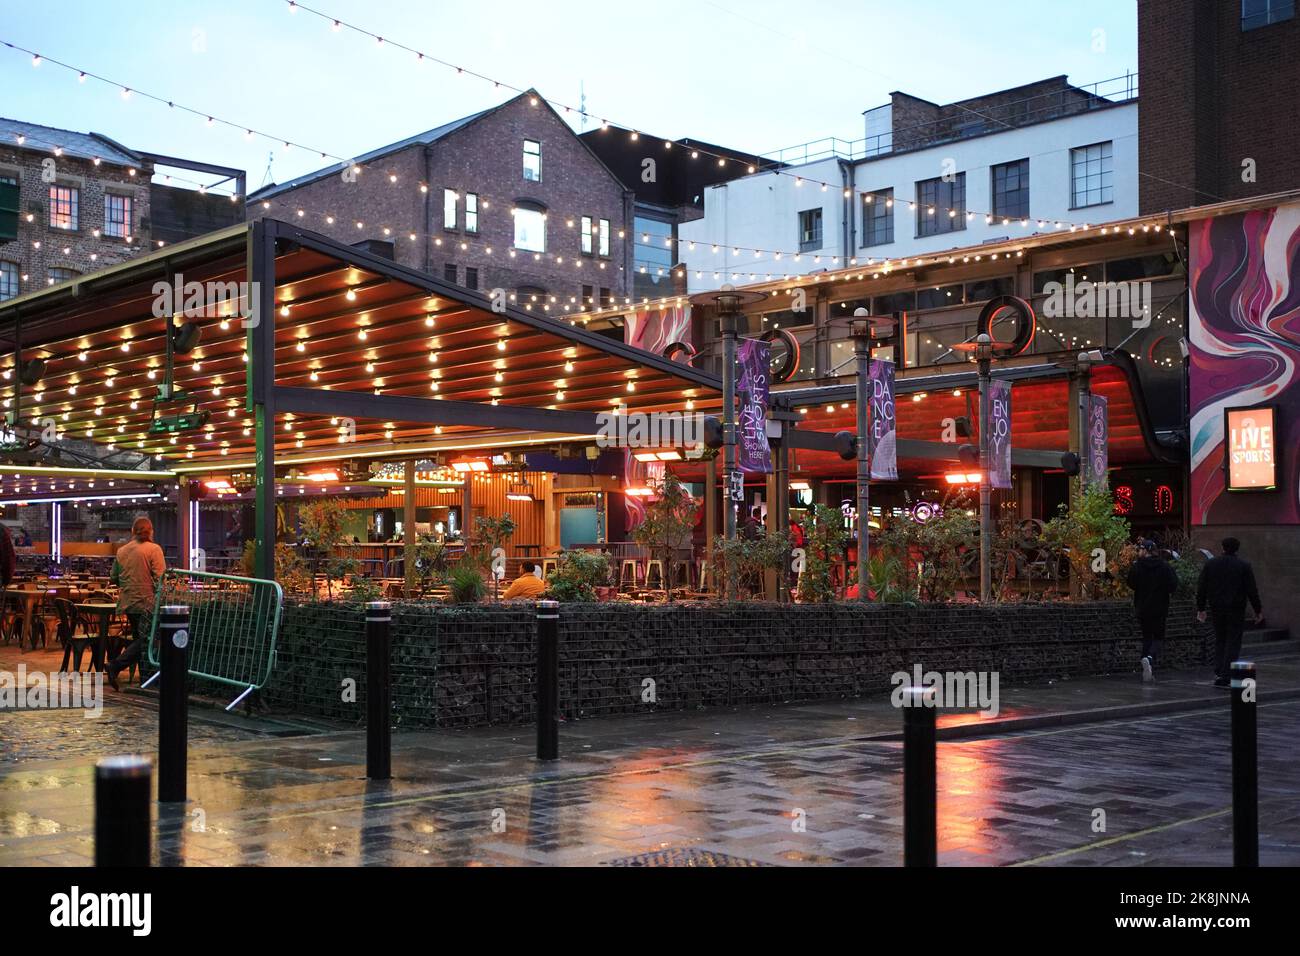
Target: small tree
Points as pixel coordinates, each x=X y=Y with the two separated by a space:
x=668 y=526
x=825 y=536
x=577 y=575
x=934 y=550
x=748 y=559
x=322 y=531
x=1092 y=538
x=490 y=534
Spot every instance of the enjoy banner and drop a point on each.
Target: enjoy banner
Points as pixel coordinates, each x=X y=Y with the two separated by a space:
x=999 y=395
x=884 y=428
x=754 y=361
x=1098 y=436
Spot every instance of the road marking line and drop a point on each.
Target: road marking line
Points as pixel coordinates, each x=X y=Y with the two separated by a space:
x=1120 y=839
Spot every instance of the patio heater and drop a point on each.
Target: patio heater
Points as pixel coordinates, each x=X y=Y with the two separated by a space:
x=863 y=329
x=727 y=301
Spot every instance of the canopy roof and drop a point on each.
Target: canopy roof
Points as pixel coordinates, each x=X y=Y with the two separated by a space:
x=418 y=365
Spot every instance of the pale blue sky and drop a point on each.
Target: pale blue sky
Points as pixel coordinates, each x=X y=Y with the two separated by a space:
x=752 y=74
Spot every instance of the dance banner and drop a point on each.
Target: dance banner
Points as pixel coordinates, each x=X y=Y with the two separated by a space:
x=884 y=427
x=1098 y=436
x=754 y=359
x=999 y=396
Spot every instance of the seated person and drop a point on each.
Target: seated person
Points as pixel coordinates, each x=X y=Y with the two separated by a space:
x=527 y=585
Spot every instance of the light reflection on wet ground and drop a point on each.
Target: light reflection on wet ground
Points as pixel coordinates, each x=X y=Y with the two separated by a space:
x=805 y=785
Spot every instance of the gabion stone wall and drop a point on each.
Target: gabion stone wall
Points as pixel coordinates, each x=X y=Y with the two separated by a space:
x=461 y=667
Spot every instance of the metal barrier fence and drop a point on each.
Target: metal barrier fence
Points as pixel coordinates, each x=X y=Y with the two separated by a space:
x=233 y=626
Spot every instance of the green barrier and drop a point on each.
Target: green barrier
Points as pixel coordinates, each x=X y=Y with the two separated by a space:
x=232 y=629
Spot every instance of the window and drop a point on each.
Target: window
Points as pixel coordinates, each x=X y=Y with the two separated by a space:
x=8 y=208
x=1011 y=190
x=449 y=272
x=603 y=243
x=1260 y=13
x=586 y=235
x=63 y=207
x=940 y=205
x=117 y=215
x=878 y=217
x=1090 y=175
x=450 y=203
x=530 y=229
x=471 y=277
x=532 y=161
x=9 y=284
x=588 y=296
x=810 y=230
x=58 y=274
x=471 y=213
x=606 y=299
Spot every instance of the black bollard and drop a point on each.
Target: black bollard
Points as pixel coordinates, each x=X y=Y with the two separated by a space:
x=920 y=818
x=548 y=680
x=122 y=787
x=173 y=702
x=379 y=704
x=1245 y=767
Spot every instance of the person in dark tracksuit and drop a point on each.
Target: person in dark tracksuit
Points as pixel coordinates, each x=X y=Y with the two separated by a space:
x=1153 y=582
x=1226 y=584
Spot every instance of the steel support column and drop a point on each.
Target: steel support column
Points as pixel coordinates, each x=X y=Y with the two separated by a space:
x=260 y=343
x=408 y=530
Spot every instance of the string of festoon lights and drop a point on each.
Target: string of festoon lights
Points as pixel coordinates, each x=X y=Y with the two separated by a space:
x=751 y=254
x=734 y=270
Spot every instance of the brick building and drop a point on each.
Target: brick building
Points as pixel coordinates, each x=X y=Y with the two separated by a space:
x=1218 y=81
x=509 y=198
x=72 y=203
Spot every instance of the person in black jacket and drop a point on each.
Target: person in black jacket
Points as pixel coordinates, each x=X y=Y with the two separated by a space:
x=1226 y=584
x=1153 y=582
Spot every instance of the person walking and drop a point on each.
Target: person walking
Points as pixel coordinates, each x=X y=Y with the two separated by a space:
x=1153 y=583
x=137 y=570
x=1227 y=583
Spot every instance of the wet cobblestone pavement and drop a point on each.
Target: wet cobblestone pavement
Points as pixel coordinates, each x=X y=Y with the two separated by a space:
x=797 y=785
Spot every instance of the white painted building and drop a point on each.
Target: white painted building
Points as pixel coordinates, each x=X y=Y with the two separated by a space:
x=925 y=179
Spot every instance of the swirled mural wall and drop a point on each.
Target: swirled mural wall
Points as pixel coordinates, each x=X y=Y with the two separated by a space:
x=1245 y=350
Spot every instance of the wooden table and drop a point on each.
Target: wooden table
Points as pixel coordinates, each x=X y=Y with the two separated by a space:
x=104 y=611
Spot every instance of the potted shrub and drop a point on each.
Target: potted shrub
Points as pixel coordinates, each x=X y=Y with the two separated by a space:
x=668 y=526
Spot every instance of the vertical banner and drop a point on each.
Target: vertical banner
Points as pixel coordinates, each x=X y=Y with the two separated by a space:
x=1097 y=440
x=754 y=359
x=999 y=395
x=884 y=429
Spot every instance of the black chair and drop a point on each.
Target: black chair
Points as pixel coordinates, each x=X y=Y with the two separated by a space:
x=71 y=634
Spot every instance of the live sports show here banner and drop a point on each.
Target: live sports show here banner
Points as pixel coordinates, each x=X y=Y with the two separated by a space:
x=755 y=361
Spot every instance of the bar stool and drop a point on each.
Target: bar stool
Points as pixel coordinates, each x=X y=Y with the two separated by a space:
x=702 y=574
x=629 y=573
x=654 y=564
x=548 y=567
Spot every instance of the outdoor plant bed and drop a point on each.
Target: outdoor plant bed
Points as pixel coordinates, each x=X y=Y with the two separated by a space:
x=474 y=665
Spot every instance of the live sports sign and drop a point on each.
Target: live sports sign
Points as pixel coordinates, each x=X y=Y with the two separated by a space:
x=1250 y=439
